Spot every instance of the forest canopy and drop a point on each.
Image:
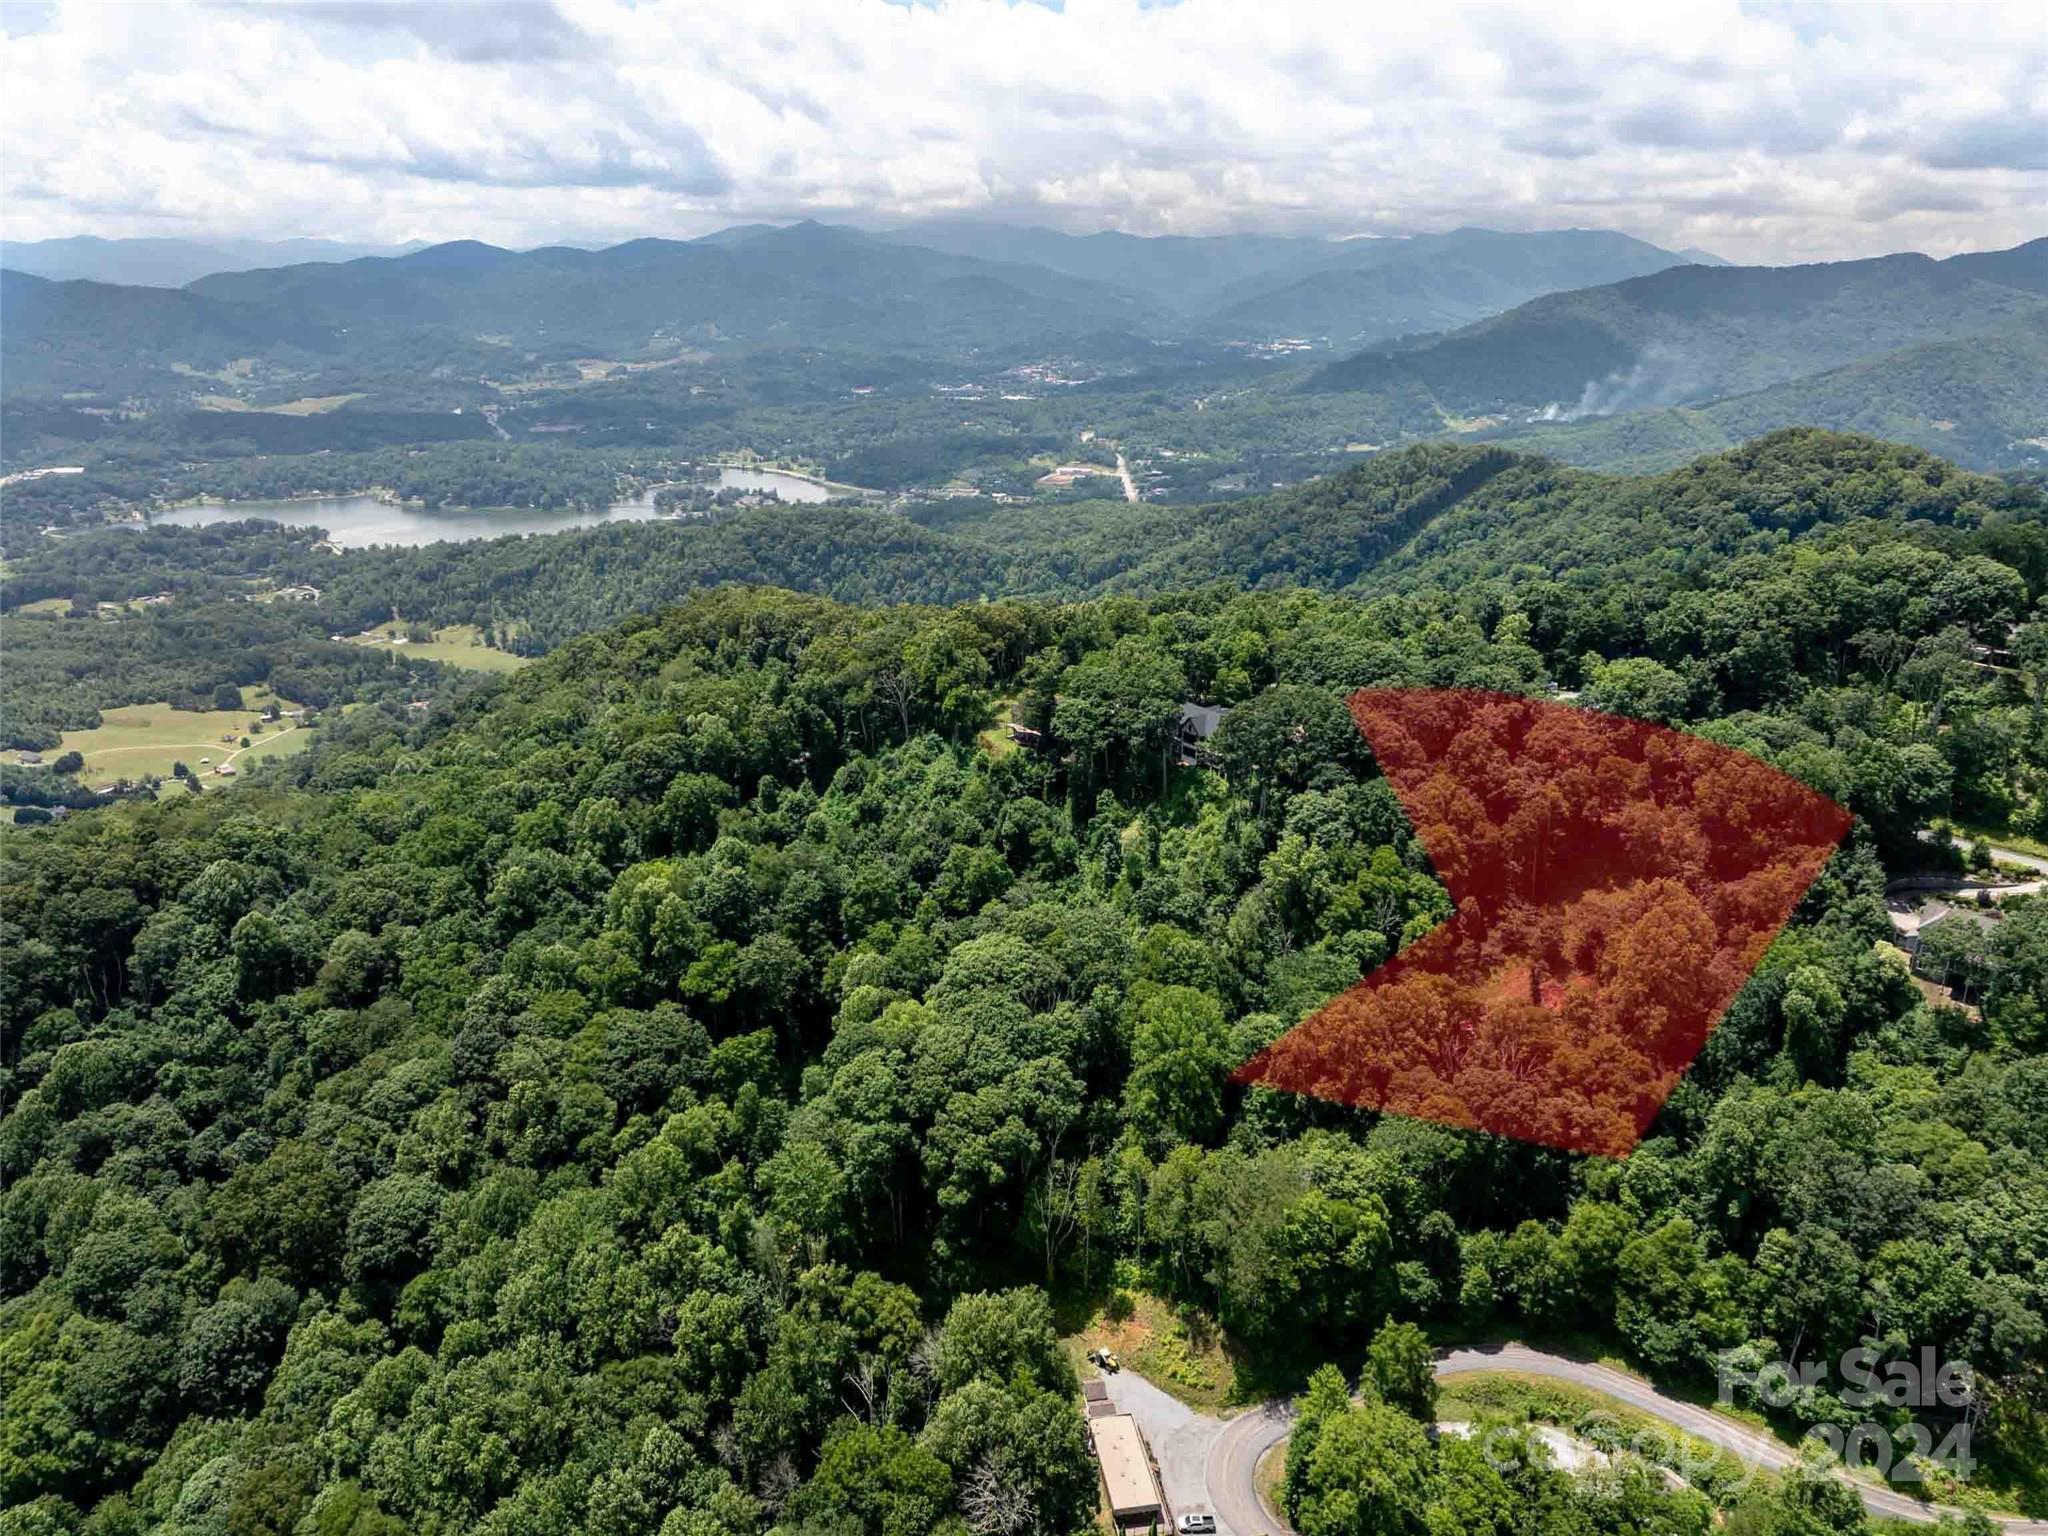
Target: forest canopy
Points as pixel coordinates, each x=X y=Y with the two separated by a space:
x=693 y=1083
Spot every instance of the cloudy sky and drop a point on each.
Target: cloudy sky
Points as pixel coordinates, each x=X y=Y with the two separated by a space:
x=1766 y=133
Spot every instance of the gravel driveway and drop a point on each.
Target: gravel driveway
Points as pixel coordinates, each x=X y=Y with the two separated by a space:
x=1180 y=1439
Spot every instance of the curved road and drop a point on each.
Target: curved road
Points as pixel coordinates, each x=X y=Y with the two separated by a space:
x=2032 y=861
x=1234 y=1458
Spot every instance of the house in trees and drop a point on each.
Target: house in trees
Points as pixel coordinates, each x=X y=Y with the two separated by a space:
x=1191 y=731
x=1950 y=947
x=1198 y=722
x=1021 y=730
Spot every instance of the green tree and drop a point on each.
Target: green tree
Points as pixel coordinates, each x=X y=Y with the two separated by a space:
x=877 y=1480
x=1180 y=1054
x=1368 y=1473
x=1400 y=1369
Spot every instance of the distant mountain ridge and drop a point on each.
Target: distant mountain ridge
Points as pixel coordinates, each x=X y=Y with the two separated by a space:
x=1385 y=289
x=73 y=334
x=170 y=262
x=463 y=303
x=1695 y=333
x=1257 y=287
x=472 y=306
x=806 y=281
x=1667 y=360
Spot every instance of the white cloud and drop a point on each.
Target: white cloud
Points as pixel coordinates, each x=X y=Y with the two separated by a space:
x=1767 y=134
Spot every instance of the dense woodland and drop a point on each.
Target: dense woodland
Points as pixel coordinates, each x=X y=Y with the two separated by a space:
x=717 y=1078
x=683 y=1086
x=1590 y=556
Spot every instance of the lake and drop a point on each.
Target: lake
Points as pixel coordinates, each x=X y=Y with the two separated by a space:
x=356 y=521
x=788 y=487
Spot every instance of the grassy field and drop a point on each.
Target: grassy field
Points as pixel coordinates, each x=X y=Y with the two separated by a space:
x=459 y=645
x=305 y=405
x=995 y=739
x=56 y=605
x=142 y=739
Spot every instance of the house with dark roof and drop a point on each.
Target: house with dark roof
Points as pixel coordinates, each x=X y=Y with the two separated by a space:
x=1198 y=722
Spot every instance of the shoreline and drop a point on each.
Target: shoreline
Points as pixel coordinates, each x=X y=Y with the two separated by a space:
x=796 y=474
x=375 y=493
x=461 y=509
x=641 y=499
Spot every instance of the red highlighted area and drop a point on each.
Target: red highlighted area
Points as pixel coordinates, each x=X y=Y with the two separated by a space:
x=1616 y=883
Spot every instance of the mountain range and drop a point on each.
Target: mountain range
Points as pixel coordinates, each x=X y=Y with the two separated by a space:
x=1249 y=287
x=1698 y=333
x=1649 y=372
x=171 y=262
x=1588 y=345
x=489 y=311
x=952 y=290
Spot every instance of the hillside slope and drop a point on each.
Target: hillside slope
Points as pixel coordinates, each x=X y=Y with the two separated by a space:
x=1374 y=290
x=1698 y=333
x=663 y=1089
x=105 y=338
x=1981 y=401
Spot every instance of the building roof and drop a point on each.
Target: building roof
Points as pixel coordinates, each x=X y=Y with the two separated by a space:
x=1986 y=918
x=1126 y=1474
x=1201 y=720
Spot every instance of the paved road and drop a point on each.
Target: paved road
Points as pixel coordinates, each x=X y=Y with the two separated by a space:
x=1235 y=1454
x=1911 y=902
x=1233 y=1489
x=2007 y=855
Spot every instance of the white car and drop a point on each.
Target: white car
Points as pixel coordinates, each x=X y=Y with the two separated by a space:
x=1196 y=1525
